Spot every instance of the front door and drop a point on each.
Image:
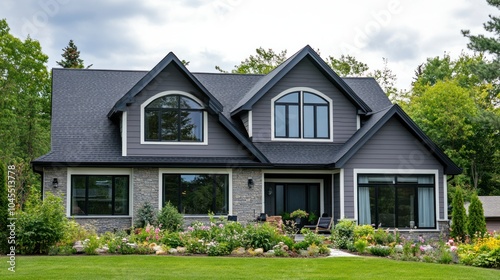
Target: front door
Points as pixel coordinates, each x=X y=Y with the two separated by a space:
x=283 y=198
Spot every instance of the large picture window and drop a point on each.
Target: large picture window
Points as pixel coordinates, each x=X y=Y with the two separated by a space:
x=99 y=195
x=302 y=115
x=402 y=201
x=197 y=193
x=173 y=118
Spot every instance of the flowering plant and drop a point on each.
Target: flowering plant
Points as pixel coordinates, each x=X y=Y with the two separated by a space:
x=299 y=214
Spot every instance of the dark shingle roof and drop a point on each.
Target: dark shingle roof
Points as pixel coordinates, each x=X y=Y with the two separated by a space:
x=299 y=153
x=82 y=133
x=369 y=90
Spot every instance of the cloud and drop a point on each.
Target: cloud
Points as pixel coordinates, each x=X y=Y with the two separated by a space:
x=396 y=44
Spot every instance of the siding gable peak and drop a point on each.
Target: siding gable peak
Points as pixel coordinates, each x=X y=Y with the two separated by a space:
x=268 y=81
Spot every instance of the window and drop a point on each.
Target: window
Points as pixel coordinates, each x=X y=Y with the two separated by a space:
x=197 y=193
x=99 y=195
x=173 y=118
x=302 y=115
x=403 y=201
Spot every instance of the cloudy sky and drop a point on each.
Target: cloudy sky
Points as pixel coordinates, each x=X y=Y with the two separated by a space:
x=132 y=34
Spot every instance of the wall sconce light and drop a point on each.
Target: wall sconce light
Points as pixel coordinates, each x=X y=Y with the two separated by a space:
x=250 y=183
x=55 y=183
x=270 y=191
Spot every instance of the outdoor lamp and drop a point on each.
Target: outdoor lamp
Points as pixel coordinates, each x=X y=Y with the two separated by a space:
x=55 y=183
x=250 y=183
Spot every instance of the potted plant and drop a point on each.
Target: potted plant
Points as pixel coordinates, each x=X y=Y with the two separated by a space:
x=298 y=215
x=313 y=219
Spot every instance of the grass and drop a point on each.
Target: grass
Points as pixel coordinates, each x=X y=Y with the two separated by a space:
x=172 y=267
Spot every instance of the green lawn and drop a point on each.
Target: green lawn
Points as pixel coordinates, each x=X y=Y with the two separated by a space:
x=171 y=267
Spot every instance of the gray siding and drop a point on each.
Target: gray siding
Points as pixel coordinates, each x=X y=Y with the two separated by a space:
x=305 y=74
x=220 y=142
x=244 y=119
x=392 y=147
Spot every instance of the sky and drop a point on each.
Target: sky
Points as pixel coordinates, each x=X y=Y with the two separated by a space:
x=136 y=35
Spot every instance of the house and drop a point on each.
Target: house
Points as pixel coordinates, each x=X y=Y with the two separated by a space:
x=491 y=208
x=298 y=137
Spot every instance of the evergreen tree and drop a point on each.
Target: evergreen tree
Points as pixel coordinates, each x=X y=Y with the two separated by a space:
x=71 y=57
x=459 y=217
x=476 y=222
x=489 y=70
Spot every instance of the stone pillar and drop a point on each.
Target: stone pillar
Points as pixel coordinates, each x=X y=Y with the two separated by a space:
x=145 y=188
x=247 y=202
x=49 y=173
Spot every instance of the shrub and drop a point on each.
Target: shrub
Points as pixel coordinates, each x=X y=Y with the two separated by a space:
x=262 y=236
x=218 y=249
x=459 y=218
x=90 y=245
x=173 y=239
x=41 y=227
x=476 y=223
x=381 y=236
x=3 y=210
x=379 y=250
x=73 y=232
x=311 y=237
x=170 y=219
x=343 y=234
x=360 y=245
x=146 y=215
x=363 y=232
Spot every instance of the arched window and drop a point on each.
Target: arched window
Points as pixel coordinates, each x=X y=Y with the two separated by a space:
x=302 y=115
x=173 y=118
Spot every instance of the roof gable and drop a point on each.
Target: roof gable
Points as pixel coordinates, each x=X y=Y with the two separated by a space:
x=376 y=122
x=268 y=81
x=170 y=59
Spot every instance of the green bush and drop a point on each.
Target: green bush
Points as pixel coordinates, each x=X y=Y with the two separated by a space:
x=363 y=232
x=173 y=239
x=41 y=226
x=360 y=245
x=146 y=215
x=73 y=232
x=343 y=234
x=4 y=204
x=90 y=245
x=476 y=223
x=218 y=249
x=170 y=219
x=262 y=236
x=378 y=250
x=311 y=237
x=459 y=218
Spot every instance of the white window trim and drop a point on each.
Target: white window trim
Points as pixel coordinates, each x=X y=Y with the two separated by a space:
x=173 y=92
x=435 y=172
x=302 y=139
x=250 y=123
x=358 y=122
x=99 y=171
x=224 y=171
x=314 y=181
x=124 y=133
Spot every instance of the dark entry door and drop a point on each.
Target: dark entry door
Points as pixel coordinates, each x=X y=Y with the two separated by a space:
x=288 y=197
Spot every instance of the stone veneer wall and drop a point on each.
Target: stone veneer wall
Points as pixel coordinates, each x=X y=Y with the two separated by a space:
x=61 y=191
x=145 y=188
x=103 y=225
x=247 y=203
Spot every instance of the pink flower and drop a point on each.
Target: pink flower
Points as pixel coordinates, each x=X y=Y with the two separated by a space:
x=221 y=225
x=453 y=248
x=190 y=228
x=157 y=230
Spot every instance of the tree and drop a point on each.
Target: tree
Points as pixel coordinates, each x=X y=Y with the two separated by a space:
x=24 y=106
x=476 y=223
x=347 y=65
x=459 y=217
x=262 y=63
x=3 y=210
x=71 y=57
x=387 y=80
x=488 y=70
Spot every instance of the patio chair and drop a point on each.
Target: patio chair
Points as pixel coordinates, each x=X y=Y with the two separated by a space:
x=324 y=225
